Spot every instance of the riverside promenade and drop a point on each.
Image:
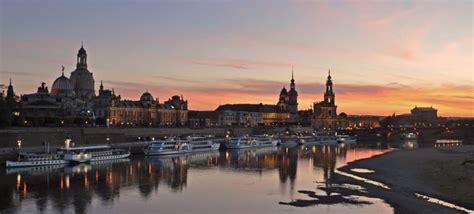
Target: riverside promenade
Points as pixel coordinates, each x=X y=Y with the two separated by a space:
x=33 y=137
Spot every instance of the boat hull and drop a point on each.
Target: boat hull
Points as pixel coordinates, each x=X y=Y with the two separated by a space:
x=240 y=147
x=179 y=152
x=173 y=152
x=328 y=142
x=110 y=157
x=347 y=141
x=13 y=164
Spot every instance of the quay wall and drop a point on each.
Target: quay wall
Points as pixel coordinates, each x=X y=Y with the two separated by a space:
x=34 y=137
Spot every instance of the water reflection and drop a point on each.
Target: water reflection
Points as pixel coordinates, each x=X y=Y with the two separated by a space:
x=82 y=187
x=409 y=144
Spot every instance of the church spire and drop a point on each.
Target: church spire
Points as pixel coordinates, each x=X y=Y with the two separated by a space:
x=292 y=84
x=292 y=74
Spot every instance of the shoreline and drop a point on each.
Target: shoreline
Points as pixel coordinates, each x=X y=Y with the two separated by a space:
x=402 y=171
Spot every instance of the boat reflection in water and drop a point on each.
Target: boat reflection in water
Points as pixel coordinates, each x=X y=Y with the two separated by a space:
x=409 y=144
x=246 y=180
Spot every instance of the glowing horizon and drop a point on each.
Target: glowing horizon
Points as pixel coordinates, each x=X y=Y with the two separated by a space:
x=385 y=57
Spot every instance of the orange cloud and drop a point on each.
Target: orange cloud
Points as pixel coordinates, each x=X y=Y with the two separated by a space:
x=450 y=100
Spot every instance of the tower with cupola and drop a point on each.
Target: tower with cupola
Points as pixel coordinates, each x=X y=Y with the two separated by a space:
x=292 y=96
x=81 y=79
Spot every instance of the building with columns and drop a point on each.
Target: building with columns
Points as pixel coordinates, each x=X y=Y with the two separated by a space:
x=147 y=112
x=325 y=115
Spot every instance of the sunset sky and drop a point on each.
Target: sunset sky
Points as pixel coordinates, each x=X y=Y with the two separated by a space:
x=384 y=56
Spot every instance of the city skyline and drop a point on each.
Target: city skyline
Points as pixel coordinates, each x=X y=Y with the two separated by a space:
x=389 y=64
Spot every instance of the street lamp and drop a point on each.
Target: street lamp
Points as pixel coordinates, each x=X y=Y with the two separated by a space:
x=18 y=142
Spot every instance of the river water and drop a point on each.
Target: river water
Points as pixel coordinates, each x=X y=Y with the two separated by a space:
x=267 y=180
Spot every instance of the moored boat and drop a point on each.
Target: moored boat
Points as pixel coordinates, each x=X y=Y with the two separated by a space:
x=265 y=141
x=34 y=159
x=257 y=141
x=243 y=142
x=308 y=140
x=170 y=146
x=201 y=143
x=328 y=140
x=409 y=136
x=82 y=154
x=345 y=139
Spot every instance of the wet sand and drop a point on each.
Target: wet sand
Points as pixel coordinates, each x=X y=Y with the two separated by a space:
x=404 y=172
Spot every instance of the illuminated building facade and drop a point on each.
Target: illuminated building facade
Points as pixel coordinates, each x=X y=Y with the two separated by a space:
x=325 y=112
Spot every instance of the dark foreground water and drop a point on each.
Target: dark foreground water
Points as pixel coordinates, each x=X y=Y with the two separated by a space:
x=269 y=180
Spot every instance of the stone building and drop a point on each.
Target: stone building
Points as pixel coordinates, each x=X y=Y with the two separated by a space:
x=363 y=121
x=325 y=112
x=285 y=111
x=147 y=112
x=203 y=119
x=58 y=107
x=424 y=114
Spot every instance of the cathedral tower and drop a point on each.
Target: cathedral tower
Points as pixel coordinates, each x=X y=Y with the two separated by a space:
x=81 y=79
x=329 y=94
x=325 y=112
x=293 y=96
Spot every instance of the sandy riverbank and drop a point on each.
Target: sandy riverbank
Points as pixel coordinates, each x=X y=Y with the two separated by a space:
x=428 y=171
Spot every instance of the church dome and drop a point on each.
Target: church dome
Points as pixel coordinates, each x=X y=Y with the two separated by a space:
x=62 y=86
x=146 y=97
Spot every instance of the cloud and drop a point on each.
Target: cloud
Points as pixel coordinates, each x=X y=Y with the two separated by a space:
x=237 y=64
x=17 y=73
x=383 y=99
x=389 y=20
x=177 y=80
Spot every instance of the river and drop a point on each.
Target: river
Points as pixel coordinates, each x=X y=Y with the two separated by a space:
x=267 y=180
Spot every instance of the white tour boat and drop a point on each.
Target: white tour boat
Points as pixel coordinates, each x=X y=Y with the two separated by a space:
x=201 y=144
x=289 y=141
x=167 y=147
x=257 y=141
x=265 y=141
x=346 y=139
x=33 y=159
x=409 y=136
x=327 y=140
x=82 y=154
x=241 y=143
x=308 y=140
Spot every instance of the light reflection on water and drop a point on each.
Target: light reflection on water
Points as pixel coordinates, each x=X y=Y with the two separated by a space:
x=269 y=180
